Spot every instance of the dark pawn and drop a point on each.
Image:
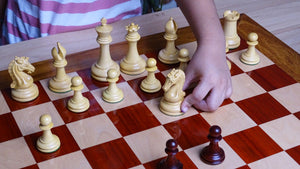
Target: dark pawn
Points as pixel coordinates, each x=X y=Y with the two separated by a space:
x=170 y=162
x=213 y=154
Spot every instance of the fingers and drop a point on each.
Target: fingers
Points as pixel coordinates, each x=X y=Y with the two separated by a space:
x=212 y=101
x=188 y=80
x=198 y=94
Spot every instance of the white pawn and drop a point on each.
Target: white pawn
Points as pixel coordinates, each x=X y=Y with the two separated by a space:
x=250 y=57
x=150 y=84
x=112 y=94
x=48 y=142
x=183 y=58
x=78 y=103
x=169 y=55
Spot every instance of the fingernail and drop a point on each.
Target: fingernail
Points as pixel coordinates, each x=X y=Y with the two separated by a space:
x=184 y=109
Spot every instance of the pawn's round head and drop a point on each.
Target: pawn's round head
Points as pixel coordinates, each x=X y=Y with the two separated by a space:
x=184 y=52
x=252 y=37
x=151 y=62
x=112 y=73
x=45 y=119
x=76 y=81
x=171 y=144
x=215 y=131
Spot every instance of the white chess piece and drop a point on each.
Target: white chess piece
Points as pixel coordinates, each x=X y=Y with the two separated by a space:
x=78 y=103
x=169 y=55
x=230 y=29
x=61 y=82
x=104 y=63
x=48 y=142
x=22 y=87
x=250 y=56
x=133 y=63
x=112 y=94
x=150 y=84
x=183 y=58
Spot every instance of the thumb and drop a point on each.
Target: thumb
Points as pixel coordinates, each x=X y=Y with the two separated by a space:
x=187 y=103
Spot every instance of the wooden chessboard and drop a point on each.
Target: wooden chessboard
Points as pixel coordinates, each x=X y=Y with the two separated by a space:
x=260 y=122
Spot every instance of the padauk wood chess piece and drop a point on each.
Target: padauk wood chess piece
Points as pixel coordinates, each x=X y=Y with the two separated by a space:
x=171 y=162
x=213 y=154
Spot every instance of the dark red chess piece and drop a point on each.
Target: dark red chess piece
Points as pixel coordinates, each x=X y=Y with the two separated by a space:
x=171 y=161
x=213 y=154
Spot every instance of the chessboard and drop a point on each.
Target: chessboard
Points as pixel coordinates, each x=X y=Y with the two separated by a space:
x=259 y=122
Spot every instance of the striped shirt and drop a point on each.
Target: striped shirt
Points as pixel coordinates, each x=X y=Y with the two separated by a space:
x=28 y=19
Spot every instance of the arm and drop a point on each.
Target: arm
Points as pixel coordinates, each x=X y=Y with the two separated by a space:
x=208 y=65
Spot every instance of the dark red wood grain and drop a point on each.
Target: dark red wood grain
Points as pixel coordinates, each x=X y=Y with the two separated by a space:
x=68 y=116
x=68 y=144
x=115 y=154
x=133 y=119
x=262 y=108
x=189 y=132
x=15 y=105
x=252 y=144
x=8 y=128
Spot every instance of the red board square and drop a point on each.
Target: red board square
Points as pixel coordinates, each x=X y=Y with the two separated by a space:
x=8 y=128
x=181 y=156
x=295 y=153
x=243 y=45
x=68 y=116
x=135 y=85
x=244 y=167
x=252 y=144
x=114 y=154
x=31 y=167
x=297 y=115
x=189 y=132
x=133 y=119
x=90 y=82
x=271 y=77
x=235 y=70
x=15 y=105
x=68 y=144
x=263 y=108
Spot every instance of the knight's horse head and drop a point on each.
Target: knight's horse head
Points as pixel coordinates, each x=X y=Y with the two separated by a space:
x=16 y=69
x=173 y=78
x=23 y=64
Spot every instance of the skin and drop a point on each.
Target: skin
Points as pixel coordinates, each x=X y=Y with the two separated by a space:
x=208 y=67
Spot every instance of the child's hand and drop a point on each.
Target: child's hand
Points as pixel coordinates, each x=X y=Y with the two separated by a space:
x=209 y=69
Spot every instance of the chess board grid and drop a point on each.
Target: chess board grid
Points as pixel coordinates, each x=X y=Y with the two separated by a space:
x=260 y=125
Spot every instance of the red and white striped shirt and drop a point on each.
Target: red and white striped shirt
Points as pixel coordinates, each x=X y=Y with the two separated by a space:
x=28 y=19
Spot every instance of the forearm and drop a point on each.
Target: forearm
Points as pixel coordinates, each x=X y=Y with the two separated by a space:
x=204 y=20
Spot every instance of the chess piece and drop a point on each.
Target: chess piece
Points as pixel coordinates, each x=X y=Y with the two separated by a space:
x=48 y=142
x=213 y=154
x=230 y=29
x=169 y=55
x=22 y=87
x=150 y=84
x=226 y=50
x=250 y=56
x=183 y=58
x=174 y=95
x=78 y=103
x=133 y=63
x=104 y=63
x=61 y=82
x=112 y=94
x=171 y=162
